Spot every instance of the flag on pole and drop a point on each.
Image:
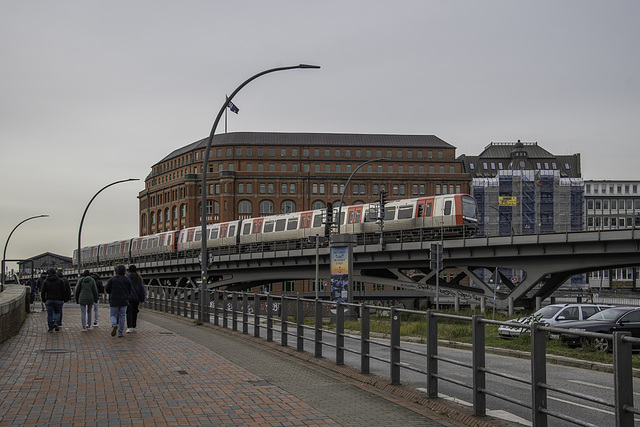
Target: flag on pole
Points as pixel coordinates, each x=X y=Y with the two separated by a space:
x=232 y=107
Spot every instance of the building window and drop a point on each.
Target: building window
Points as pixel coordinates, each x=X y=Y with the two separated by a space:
x=292 y=189
x=266 y=207
x=283 y=152
x=318 y=204
x=244 y=207
x=283 y=189
x=249 y=188
x=288 y=206
x=270 y=188
x=241 y=188
x=263 y=188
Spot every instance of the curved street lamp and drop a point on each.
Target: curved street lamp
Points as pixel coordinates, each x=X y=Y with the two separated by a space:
x=4 y=255
x=204 y=259
x=85 y=213
x=347 y=185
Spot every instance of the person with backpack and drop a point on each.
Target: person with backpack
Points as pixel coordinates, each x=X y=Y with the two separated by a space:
x=136 y=297
x=86 y=295
x=100 y=287
x=53 y=294
x=118 y=287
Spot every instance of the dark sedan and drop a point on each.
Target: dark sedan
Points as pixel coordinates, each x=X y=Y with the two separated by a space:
x=607 y=322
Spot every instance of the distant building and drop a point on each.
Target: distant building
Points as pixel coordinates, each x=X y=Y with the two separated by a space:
x=43 y=262
x=254 y=174
x=612 y=204
x=521 y=188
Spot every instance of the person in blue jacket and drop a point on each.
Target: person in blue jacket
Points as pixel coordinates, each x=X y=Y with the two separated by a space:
x=118 y=287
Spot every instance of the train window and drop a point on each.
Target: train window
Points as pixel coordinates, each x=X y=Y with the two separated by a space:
x=198 y=236
x=358 y=216
x=420 y=210
x=350 y=220
x=144 y=244
x=246 y=229
x=232 y=230
x=268 y=226
x=317 y=220
x=405 y=212
x=389 y=213
x=429 y=210
x=292 y=224
x=447 y=207
x=280 y=224
x=126 y=247
x=214 y=233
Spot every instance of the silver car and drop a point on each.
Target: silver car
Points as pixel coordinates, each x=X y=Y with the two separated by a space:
x=551 y=315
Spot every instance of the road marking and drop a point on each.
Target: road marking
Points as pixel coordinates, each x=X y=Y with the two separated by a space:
x=497 y=413
x=597 y=386
x=580 y=405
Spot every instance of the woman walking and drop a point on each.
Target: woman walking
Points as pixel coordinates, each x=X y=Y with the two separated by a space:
x=136 y=297
x=86 y=296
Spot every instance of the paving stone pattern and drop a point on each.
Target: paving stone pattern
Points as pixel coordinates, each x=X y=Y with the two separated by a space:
x=174 y=372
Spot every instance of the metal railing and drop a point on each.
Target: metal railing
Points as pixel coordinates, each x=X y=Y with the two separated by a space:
x=286 y=314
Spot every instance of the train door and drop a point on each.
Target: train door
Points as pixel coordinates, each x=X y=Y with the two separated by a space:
x=223 y=230
x=257 y=226
x=424 y=208
x=354 y=216
x=305 y=219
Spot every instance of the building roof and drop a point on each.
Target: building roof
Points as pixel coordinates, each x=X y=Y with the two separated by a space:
x=314 y=139
x=519 y=156
x=62 y=258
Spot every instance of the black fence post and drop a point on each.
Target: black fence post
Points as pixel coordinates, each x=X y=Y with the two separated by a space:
x=299 y=324
x=538 y=375
x=269 y=318
x=216 y=308
x=225 y=309
x=432 y=352
x=256 y=315
x=394 y=348
x=479 y=381
x=364 y=339
x=284 y=318
x=339 y=333
x=318 y=333
x=234 y=311
x=245 y=313
x=623 y=379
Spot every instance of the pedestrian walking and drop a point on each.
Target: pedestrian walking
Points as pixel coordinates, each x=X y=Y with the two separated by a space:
x=40 y=284
x=96 y=306
x=86 y=295
x=118 y=287
x=136 y=297
x=53 y=293
x=67 y=291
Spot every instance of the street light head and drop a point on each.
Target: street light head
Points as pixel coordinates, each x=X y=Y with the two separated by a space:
x=308 y=66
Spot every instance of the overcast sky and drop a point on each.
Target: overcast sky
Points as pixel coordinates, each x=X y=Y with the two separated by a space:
x=95 y=92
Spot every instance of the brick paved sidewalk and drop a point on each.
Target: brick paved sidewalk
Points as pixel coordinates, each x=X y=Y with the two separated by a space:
x=157 y=376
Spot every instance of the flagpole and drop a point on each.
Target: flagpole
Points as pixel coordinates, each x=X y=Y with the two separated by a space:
x=225 y=115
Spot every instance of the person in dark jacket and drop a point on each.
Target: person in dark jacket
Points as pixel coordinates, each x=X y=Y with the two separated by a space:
x=53 y=293
x=40 y=284
x=67 y=291
x=100 y=287
x=86 y=293
x=136 y=297
x=118 y=287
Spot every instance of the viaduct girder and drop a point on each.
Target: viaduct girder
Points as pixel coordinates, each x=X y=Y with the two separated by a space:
x=543 y=261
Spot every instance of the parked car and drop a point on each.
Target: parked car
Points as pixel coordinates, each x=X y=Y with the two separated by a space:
x=607 y=322
x=551 y=315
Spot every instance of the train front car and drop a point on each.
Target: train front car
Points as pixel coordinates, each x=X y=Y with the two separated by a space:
x=469 y=216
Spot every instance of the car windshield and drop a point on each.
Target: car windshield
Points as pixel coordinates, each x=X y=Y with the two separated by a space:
x=609 y=314
x=547 y=312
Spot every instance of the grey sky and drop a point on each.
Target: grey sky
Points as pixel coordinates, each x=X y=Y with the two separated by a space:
x=94 y=92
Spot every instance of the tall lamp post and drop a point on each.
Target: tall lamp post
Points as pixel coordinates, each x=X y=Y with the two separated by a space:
x=4 y=255
x=381 y=159
x=204 y=259
x=85 y=214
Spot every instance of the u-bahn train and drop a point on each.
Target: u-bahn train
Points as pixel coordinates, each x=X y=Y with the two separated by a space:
x=425 y=218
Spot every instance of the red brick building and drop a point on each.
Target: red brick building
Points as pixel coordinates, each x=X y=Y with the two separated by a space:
x=255 y=174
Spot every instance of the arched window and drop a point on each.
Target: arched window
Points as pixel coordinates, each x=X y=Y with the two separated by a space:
x=244 y=207
x=216 y=208
x=266 y=207
x=166 y=214
x=153 y=218
x=175 y=212
x=160 y=216
x=183 y=210
x=144 y=221
x=318 y=204
x=288 y=206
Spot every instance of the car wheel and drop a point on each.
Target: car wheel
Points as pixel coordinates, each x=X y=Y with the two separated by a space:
x=602 y=344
